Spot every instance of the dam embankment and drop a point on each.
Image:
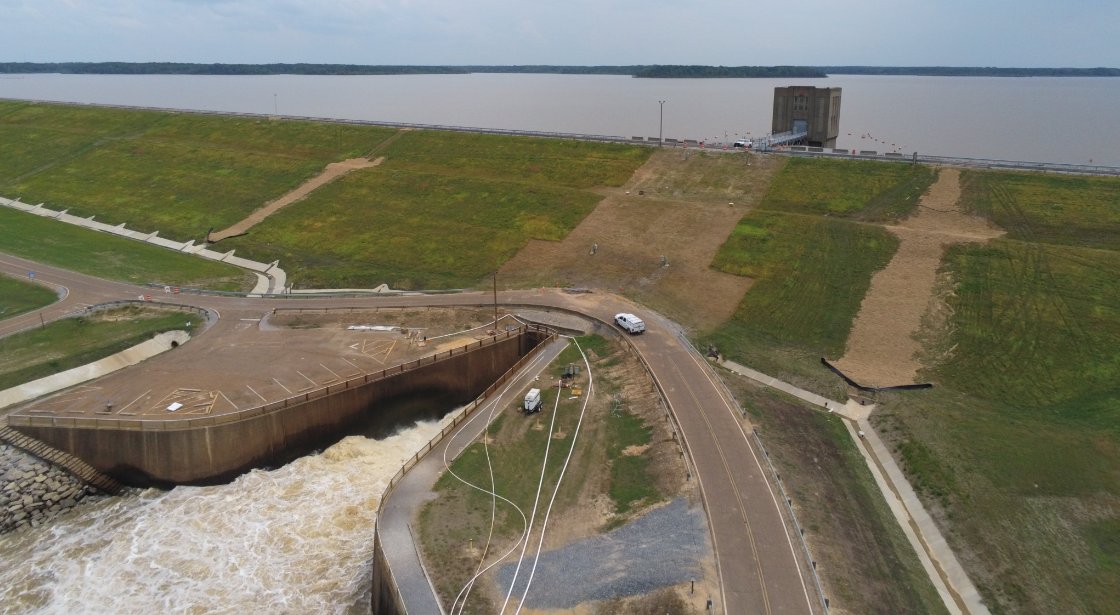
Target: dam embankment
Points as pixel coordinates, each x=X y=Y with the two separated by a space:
x=215 y=449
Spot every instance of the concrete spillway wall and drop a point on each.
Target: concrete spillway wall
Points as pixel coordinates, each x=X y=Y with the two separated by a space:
x=217 y=448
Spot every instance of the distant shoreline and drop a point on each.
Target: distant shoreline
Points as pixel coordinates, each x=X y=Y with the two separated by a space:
x=648 y=71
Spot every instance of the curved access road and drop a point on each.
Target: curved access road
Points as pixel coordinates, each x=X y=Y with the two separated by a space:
x=760 y=571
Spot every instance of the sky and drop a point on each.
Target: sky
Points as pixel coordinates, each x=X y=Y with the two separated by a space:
x=1003 y=33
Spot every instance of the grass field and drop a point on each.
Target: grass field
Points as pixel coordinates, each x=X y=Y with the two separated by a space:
x=1018 y=448
x=1049 y=208
x=108 y=256
x=38 y=137
x=19 y=296
x=855 y=189
x=444 y=211
x=180 y=174
x=534 y=162
x=410 y=229
x=68 y=343
x=811 y=274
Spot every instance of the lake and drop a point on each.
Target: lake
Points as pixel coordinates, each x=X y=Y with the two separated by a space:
x=1039 y=119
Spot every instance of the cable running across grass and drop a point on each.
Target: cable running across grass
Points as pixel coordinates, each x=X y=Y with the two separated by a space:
x=464 y=592
x=560 y=479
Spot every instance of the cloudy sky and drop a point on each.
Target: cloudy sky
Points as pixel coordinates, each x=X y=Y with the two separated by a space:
x=1043 y=33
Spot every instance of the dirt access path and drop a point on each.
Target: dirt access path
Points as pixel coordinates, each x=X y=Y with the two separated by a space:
x=681 y=205
x=882 y=348
x=333 y=171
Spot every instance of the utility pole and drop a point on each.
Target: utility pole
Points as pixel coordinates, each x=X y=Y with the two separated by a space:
x=661 y=125
x=495 y=301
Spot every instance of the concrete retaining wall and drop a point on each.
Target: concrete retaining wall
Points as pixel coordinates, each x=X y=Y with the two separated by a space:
x=217 y=449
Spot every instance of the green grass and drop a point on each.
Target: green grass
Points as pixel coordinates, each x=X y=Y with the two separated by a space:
x=866 y=561
x=38 y=137
x=811 y=274
x=108 y=256
x=573 y=164
x=1037 y=326
x=185 y=174
x=630 y=482
x=411 y=229
x=19 y=296
x=854 y=189
x=445 y=210
x=71 y=342
x=1048 y=208
x=1018 y=446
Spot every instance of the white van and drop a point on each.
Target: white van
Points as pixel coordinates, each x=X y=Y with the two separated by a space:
x=630 y=322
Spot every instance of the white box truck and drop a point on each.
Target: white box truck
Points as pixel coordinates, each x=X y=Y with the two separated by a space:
x=532 y=401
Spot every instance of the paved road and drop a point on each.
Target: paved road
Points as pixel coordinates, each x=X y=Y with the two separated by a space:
x=759 y=569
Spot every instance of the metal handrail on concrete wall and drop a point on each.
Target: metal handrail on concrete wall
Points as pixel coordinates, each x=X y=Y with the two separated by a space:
x=165 y=424
x=465 y=413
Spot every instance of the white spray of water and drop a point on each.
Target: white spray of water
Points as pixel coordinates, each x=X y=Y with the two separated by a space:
x=297 y=539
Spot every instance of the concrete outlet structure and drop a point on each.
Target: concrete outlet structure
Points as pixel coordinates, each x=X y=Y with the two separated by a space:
x=813 y=110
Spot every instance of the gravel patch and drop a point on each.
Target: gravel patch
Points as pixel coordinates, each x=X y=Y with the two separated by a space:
x=662 y=548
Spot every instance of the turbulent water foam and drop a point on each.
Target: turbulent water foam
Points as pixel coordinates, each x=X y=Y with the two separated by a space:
x=297 y=539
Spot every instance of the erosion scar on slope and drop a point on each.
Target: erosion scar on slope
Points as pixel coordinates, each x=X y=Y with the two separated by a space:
x=881 y=348
x=333 y=171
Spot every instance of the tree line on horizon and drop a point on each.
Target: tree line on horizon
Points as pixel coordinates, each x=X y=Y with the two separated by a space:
x=651 y=71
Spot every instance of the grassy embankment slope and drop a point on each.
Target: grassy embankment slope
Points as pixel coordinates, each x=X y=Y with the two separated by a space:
x=71 y=342
x=180 y=174
x=109 y=256
x=443 y=211
x=453 y=529
x=19 y=296
x=1015 y=450
x=812 y=246
x=1019 y=447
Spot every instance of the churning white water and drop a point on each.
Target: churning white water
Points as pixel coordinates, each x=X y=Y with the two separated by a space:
x=297 y=539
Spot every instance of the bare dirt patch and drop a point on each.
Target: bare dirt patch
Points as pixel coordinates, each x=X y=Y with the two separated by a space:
x=333 y=171
x=668 y=208
x=883 y=348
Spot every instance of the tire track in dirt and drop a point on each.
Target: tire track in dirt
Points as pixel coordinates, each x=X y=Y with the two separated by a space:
x=882 y=347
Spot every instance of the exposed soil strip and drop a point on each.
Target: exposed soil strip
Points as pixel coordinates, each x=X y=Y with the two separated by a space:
x=333 y=171
x=881 y=348
x=619 y=245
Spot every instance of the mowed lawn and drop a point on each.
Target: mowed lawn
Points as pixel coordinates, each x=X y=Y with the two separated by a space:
x=1019 y=446
x=38 y=136
x=108 y=256
x=19 y=296
x=444 y=211
x=856 y=189
x=179 y=173
x=1051 y=208
x=810 y=272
